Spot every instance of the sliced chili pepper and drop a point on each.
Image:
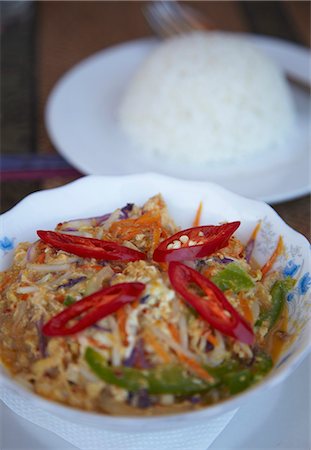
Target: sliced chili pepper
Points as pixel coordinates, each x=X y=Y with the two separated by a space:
x=195 y=242
x=90 y=247
x=213 y=307
x=94 y=307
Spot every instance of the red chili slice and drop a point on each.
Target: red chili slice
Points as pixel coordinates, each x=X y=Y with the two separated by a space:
x=195 y=242
x=95 y=306
x=89 y=247
x=214 y=307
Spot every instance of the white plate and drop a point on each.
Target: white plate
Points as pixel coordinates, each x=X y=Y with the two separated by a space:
x=82 y=121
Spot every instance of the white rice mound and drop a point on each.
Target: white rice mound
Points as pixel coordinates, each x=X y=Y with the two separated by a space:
x=207 y=97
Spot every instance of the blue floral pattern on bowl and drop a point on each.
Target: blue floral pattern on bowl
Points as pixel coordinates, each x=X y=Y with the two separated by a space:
x=290 y=269
x=290 y=264
x=304 y=283
x=6 y=244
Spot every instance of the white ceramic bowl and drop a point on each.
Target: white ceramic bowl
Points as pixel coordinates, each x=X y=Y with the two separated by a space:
x=94 y=195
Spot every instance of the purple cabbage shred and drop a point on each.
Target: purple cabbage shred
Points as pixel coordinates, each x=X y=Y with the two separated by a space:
x=125 y=210
x=200 y=264
x=249 y=250
x=140 y=399
x=87 y=221
x=144 y=299
x=223 y=260
x=101 y=219
x=71 y=282
x=137 y=357
x=102 y=262
x=209 y=346
x=194 y=399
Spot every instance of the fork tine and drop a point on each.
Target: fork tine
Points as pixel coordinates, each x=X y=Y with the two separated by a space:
x=166 y=14
x=157 y=20
x=168 y=18
x=172 y=12
x=164 y=20
x=156 y=23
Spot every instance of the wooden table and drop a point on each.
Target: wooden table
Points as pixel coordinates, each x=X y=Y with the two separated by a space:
x=53 y=36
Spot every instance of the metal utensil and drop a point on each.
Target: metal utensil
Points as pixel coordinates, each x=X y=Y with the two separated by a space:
x=168 y=18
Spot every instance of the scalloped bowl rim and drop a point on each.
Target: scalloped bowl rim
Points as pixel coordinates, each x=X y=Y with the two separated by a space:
x=153 y=423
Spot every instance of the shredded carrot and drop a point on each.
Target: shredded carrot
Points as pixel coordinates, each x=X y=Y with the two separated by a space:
x=174 y=332
x=89 y=266
x=208 y=272
x=255 y=231
x=24 y=296
x=96 y=343
x=97 y=267
x=40 y=250
x=212 y=339
x=60 y=298
x=41 y=258
x=127 y=229
x=193 y=365
x=197 y=219
x=247 y=312
x=135 y=303
x=157 y=347
x=121 y=320
x=277 y=252
x=164 y=233
x=164 y=266
x=130 y=227
x=156 y=236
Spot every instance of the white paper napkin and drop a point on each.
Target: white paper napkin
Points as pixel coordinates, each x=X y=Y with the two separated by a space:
x=198 y=437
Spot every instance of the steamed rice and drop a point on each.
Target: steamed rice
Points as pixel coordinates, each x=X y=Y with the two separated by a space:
x=207 y=97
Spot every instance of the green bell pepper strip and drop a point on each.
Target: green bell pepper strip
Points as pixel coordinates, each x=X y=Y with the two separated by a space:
x=234 y=278
x=261 y=366
x=278 y=294
x=219 y=371
x=124 y=377
x=238 y=381
x=171 y=379
x=174 y=379
x=235 y=378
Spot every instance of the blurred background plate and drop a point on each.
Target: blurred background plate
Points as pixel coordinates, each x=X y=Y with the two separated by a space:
x=82 y=121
